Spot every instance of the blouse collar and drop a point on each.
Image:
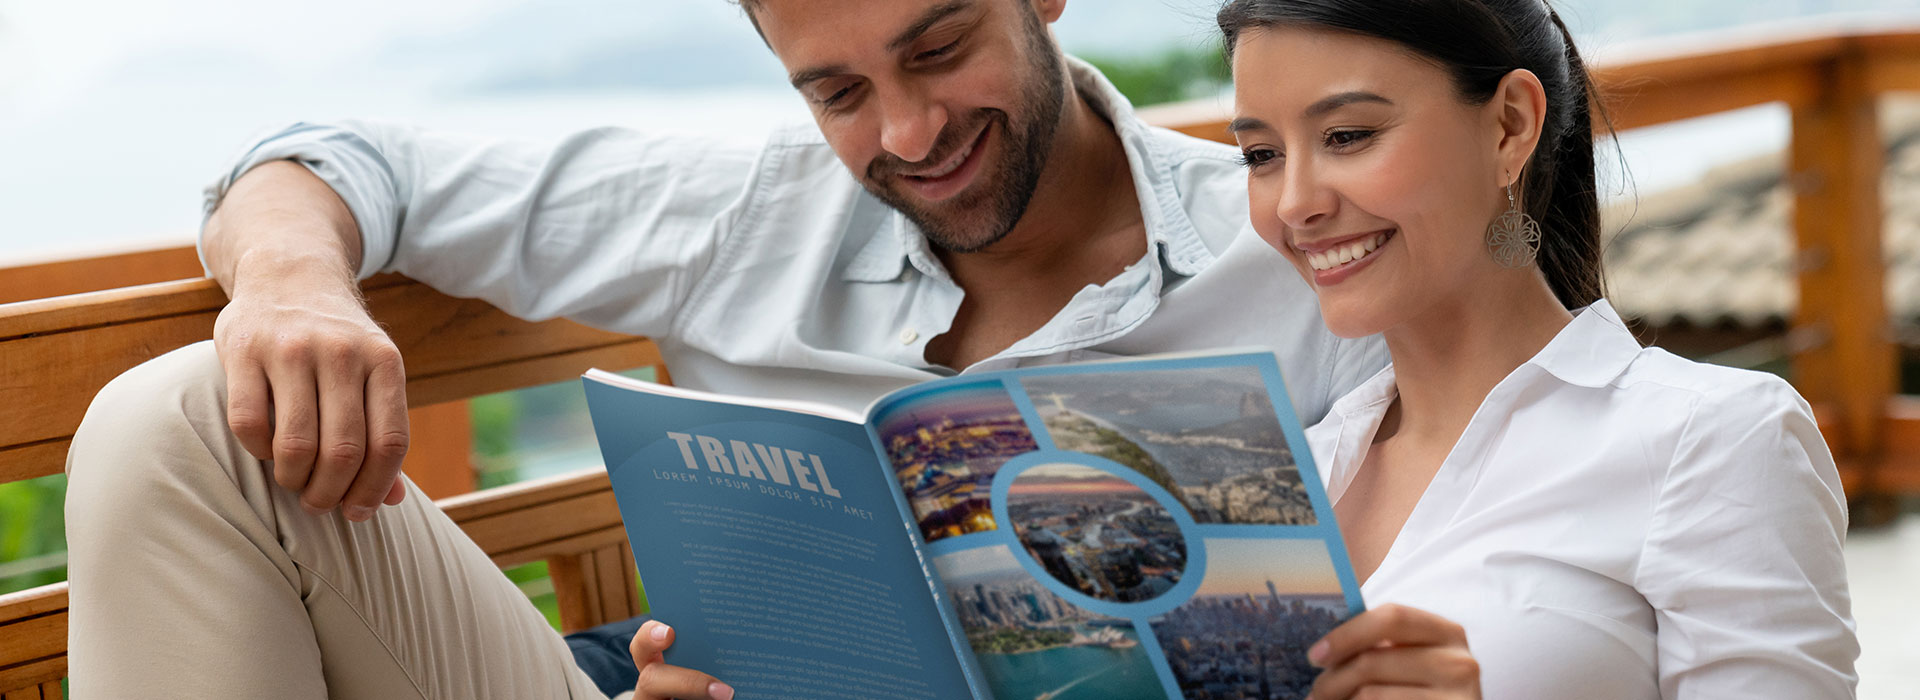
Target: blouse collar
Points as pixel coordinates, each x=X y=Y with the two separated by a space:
x=1594 y=349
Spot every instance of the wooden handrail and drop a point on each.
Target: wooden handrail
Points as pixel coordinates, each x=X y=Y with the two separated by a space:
x=454 y=349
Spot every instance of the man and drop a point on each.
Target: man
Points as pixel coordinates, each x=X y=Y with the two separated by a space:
x=993 y=204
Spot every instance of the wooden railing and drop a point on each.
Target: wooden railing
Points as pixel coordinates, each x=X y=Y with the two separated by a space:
x=56 y=353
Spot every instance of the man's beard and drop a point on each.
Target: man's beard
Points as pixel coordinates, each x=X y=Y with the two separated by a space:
x=981 y=217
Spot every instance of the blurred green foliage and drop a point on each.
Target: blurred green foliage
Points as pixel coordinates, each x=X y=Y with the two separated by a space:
x=32 y=526
x=1173 y=74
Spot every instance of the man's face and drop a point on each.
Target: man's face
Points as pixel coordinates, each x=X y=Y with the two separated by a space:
x=944 y=109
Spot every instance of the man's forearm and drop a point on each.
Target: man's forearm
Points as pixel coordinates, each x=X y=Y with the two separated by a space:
x=281 y=222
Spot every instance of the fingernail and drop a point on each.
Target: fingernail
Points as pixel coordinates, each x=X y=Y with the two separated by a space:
x=719 y=691
x=359 y=513
x=1318 y=653
x=660 y=631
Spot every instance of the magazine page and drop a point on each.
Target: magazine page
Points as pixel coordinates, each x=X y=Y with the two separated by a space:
x=771 y=541
x=1138 y=529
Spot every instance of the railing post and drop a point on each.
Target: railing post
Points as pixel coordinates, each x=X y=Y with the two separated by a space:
x=1836 y=165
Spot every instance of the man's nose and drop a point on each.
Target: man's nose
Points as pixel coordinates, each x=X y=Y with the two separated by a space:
x=910 y=125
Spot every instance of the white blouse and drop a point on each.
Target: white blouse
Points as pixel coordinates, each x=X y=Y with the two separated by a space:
x=1618 y=522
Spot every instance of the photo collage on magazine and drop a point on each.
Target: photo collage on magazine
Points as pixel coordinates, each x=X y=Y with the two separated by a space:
x=1124 y=532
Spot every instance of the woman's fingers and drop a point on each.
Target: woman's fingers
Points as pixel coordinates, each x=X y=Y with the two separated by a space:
x=660 y=681
x=1396 y=625
x=1407 y=670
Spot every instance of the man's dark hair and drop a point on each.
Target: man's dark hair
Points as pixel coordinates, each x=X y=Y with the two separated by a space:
x=1479 y=42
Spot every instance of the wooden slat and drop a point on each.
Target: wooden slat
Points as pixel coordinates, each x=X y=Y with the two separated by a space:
x=1835 y=166
x=552 y=521
x=573 y=581
x=32 y=693
x=97 y=272
x=34 y=672
x=440 y=449
x=56 y=353
x=604 y=537
x=525 y=494
x=51 y=691
x=610 y=569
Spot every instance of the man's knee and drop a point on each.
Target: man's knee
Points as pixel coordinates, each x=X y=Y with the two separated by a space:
x=168 y=410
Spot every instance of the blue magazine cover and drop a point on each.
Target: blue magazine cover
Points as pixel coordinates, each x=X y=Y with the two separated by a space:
x=1149 y=528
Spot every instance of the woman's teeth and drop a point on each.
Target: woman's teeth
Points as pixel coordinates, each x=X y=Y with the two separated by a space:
x=1329 y=259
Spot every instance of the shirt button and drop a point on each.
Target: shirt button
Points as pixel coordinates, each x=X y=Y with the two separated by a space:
x=908 y=336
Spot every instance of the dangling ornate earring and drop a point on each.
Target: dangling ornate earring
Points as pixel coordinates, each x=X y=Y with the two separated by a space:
x=1514 y=238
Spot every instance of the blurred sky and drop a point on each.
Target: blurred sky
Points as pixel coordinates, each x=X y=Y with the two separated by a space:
x=114 y=114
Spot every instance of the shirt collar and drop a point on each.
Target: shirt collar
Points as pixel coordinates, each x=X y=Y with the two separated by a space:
x=1593 y=350
x=1170 y=232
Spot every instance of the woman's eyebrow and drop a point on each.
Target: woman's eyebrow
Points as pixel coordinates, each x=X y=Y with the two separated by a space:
x=1245 y=124
x=1333 y=102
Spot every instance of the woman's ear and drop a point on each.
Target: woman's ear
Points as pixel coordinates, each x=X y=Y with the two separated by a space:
x=1049 y=10
x=1520 y=112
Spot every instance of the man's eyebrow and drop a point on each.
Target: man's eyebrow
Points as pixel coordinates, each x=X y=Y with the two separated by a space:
x=1333 y=102
x=926 y=22
x=809 y=75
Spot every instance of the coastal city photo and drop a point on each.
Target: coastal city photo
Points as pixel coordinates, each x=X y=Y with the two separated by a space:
x=1209 y=436
x=1032 y=644
x=1244 y=635
x=1096 y=533
x=945 y=445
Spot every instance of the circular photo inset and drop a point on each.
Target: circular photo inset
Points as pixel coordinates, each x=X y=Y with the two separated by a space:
x=1096 y=533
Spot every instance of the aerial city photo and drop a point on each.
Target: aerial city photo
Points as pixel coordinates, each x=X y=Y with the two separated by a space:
x=1209 y=436
x=1097 y=533
x=945 y=446
x=1032 y=644
x=1245 y=633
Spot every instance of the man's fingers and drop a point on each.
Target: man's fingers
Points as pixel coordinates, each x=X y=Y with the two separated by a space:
x=1390 y=624
x=249 y=414
x=343 y=432
x=296 y=432
x=1383 y=671
x=386 y=435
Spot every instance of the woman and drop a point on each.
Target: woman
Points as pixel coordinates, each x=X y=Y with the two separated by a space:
x=1599 y=520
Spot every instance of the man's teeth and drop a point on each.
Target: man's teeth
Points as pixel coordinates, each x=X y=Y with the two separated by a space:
x=952 y=165
x=1329 y=259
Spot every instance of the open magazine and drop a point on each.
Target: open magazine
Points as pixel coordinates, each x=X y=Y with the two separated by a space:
x=1148 y=528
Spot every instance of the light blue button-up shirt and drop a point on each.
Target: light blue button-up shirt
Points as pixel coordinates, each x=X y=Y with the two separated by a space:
x=770 y=272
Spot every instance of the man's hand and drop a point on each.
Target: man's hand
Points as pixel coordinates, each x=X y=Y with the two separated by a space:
x=313 y=384
x=1395 y=652
x=659 y=681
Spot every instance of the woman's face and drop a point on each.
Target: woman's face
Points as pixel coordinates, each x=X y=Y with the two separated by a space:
x=1368 y=172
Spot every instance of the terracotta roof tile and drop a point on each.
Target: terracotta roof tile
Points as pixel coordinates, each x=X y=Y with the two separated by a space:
x=1721 y=251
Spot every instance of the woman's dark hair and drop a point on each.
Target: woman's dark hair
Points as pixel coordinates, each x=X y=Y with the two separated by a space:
x=1479 y=42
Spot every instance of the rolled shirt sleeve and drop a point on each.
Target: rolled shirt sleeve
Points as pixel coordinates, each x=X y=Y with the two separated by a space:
x=608 y=226
x=1743 y=563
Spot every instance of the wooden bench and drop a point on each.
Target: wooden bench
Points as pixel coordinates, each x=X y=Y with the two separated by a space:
x=55 y=354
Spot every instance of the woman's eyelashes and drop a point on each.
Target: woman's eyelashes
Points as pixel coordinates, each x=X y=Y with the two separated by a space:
x=1347 y=140
x=1335 y=141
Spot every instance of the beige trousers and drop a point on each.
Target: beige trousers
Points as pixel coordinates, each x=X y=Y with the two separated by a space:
x=194 y=575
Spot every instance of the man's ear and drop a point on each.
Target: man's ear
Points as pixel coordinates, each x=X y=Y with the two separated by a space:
x=1049 y=10
x=1520 y=113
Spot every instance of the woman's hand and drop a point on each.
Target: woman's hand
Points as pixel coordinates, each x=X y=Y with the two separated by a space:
x=659 y=681
x=1395 y=652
